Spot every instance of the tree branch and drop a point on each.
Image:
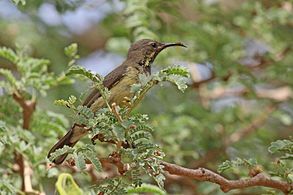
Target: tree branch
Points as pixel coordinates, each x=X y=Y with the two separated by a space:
x=202 y=174
x=226 y=185
x=28 y=108
x=278 y=94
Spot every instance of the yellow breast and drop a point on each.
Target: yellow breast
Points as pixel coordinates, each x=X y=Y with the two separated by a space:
x=121 y=91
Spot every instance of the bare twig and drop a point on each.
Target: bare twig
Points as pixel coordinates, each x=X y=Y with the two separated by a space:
x=226 y=185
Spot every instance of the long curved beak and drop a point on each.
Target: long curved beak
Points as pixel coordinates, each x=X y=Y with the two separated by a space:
x=165 y=45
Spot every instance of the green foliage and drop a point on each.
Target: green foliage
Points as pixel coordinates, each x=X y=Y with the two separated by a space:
x=137 y=16
x=236 y=164
x=71 y=52
x=96 y=78
x=283 y=168
x=16 y=2
x=59 y=152
x=176 y=75
x=68 y=103
x=30 y=79
x=7 y=187
x=143 y=156
x=91 y=156
x=248 y=45
x=112 y=186
x=282 y=146
x=146 y=188
x=33 y=73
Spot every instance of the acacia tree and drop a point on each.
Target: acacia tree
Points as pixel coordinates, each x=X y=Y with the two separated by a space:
x=234 y=120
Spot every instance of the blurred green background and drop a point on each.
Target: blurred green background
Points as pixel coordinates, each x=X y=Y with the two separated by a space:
x=239 y=55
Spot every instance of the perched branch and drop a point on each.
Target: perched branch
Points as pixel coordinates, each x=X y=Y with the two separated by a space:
x=202 y=174
x=226 y=185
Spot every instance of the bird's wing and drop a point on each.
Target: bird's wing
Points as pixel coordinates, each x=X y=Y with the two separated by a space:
x=109 y=81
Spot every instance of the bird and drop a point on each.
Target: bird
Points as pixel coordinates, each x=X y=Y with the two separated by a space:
x=140 y=57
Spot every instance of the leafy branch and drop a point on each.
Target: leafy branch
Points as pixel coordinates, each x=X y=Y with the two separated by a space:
x=129 y=133
x=139 y=155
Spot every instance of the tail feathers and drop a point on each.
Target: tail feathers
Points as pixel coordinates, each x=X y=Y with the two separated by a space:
x=64 y=141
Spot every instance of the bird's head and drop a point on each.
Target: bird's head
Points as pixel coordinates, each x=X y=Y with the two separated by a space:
x=145 y=51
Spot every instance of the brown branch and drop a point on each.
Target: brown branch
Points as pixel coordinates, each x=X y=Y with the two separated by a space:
x=113 y=159
x=28 y=108
x=226 y=185
x=184 y=182
x=202 y=174
x=277 y=94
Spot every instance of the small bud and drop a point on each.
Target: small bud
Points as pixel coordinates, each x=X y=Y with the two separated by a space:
x=132 y=126
x=255 y=170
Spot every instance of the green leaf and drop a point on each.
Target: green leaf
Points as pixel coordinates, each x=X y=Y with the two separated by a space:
x=8 y=54
x=9 y=77
x=22 y=2
x=61 y=102
x=160 y=178
x=85 y=111
x=238 y=162
x=71 y=99
x=61 y=151
x=68 y=103
x=71 y=50
x=80 y=161
x=281 y=146
x=78 y=70
x=146 y=188
x=6 y=186
x=93 y=158
x=176 y=70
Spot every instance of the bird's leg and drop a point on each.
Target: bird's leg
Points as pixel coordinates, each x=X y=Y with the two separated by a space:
x=116 y=112
x=127 y=102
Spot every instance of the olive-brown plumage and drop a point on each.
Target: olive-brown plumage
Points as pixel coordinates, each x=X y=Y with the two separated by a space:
x=140 y=56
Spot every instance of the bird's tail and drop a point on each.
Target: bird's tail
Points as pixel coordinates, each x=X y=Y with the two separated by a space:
x=64 y=141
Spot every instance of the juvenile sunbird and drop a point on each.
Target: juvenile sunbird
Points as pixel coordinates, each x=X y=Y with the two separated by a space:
x=140 y=56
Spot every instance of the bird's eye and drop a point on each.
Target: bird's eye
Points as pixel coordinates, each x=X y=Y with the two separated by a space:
x=154 y=45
